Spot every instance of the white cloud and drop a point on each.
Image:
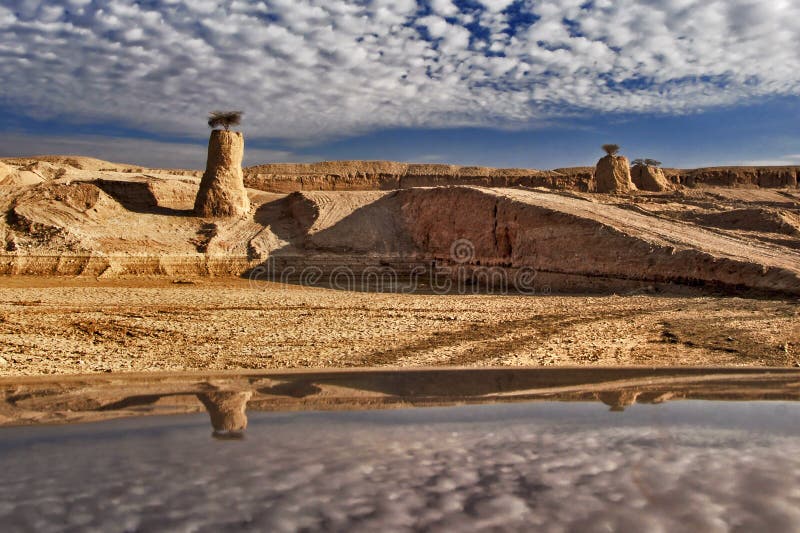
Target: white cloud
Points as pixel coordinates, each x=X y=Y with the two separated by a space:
x=308 y=69
x=156 y=154
x=445 y=8
x=786 y=160
x=496 y=5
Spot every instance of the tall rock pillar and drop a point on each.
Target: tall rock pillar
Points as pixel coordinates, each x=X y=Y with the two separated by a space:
x=222 y=192
x=613 y=175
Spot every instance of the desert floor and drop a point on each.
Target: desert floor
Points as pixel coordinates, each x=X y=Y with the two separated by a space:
x=71 y=325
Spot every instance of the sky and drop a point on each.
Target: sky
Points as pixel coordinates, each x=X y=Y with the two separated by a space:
x=508 y=83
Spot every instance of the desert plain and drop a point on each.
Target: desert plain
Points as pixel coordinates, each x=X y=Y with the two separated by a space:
x=107 y=268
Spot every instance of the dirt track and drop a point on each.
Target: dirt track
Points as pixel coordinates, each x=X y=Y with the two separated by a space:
x=58 y=325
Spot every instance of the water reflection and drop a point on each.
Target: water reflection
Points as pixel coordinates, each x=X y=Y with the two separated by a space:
x=227 y=412
x=226 y=397
x=618 y=400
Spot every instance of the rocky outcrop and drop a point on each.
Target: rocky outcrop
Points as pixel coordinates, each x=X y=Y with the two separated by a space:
x=566 y=243
x=147 y=194
x=46 y=171
x=763 y=220
x=117 y=224
x=613 y=175
x=647 y=178
x=222 y=192
x=5 y=172
x=572 y=241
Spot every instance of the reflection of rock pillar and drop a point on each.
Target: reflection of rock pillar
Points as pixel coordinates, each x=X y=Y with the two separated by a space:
x=618 y=400
x=222 y=192
x=227 y=411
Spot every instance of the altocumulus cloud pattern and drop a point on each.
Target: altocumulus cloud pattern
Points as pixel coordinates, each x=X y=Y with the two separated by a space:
x=315 y=68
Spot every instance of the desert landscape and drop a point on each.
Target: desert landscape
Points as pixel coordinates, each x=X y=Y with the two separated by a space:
x=110 y=267
x=399 y=265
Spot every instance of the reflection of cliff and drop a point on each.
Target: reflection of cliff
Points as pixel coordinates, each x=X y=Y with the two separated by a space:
x=227 y=412
x=225 y=396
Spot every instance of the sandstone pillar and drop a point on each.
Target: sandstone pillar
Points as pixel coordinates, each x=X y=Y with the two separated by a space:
x=222 y=192
x=613 y=175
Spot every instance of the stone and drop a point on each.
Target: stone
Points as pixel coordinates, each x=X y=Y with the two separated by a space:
x=222 y=192
x=649 y=178
x=613 y=175
x=5 y=171
x=11 y=242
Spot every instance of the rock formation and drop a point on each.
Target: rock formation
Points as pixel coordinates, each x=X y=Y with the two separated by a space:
x=5 y=171
x=747 y=177
x=227 y=411
x=222 y=192
x=649 y=178
x=613 y=175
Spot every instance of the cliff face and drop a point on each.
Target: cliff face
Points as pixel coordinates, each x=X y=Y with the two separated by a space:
x=766 y=177
x=388 y=175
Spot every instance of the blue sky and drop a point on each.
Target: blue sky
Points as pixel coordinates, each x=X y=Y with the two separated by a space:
x=514 y=83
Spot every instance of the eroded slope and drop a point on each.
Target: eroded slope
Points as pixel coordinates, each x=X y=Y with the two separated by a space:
x=113 y=222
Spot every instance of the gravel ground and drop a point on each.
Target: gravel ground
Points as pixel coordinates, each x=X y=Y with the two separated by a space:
x=60 y=326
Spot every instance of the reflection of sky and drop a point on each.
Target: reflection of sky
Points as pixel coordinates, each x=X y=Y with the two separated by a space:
x=682 y=466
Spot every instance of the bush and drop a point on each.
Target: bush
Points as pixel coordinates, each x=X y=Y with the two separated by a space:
x=646 y=163
x=611 y=149
x=226 y=119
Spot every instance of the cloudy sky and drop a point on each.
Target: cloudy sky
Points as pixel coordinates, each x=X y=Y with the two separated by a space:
x=536 y=83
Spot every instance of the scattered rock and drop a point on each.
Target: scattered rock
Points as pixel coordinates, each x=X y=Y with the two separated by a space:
x=222 y=192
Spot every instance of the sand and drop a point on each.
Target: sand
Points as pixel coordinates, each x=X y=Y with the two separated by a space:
x=72 y=325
